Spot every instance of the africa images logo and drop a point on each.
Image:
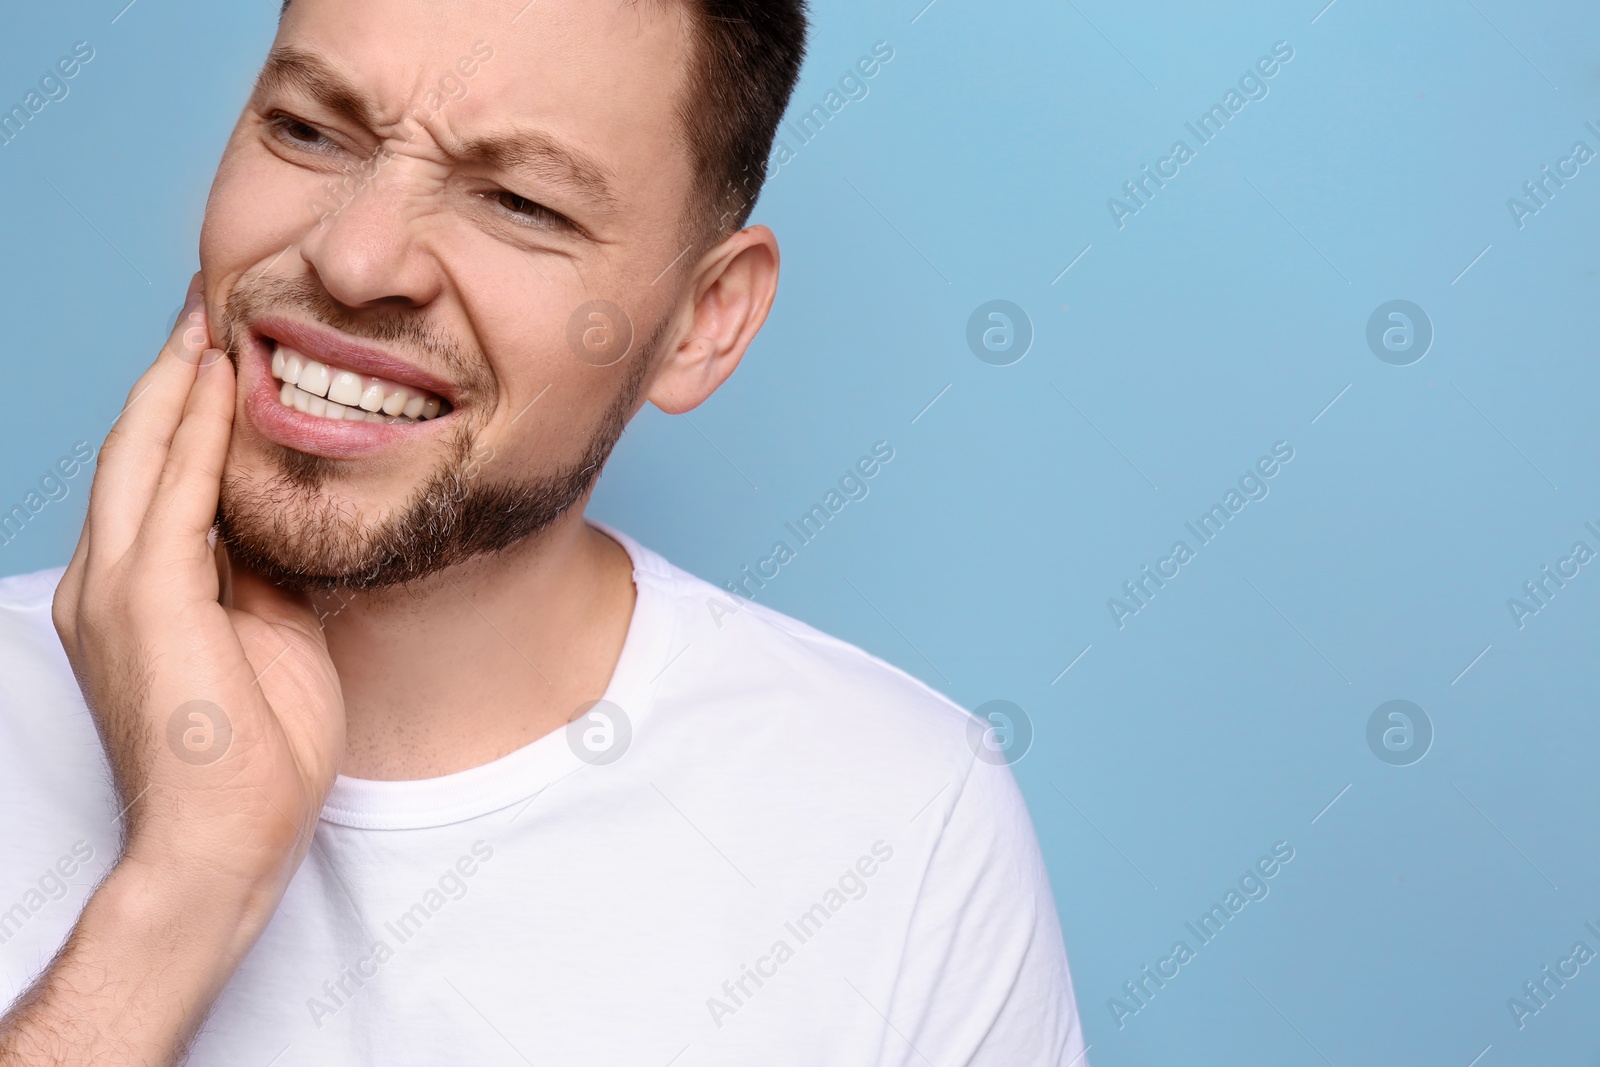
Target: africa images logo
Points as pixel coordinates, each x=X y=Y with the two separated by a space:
x=1252 y=486
x=52 y=88
x=1252 y=887
x=1205 y=129
x=849 y=886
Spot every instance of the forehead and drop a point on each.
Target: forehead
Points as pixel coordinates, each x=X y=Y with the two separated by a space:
x=601 y=76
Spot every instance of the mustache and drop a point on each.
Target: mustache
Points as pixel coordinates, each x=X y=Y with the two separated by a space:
x=407 y=331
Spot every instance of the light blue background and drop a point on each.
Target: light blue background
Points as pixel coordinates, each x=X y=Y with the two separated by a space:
x=1224 y=317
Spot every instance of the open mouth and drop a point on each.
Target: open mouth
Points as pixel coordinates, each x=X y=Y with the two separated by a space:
x=325 y=391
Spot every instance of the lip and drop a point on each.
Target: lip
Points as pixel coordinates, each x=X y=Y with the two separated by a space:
x=328 y=346
x=302 y=432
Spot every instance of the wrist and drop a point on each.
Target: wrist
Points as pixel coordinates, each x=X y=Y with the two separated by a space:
x=237 y=869
x=148 y=957
x=219 y=912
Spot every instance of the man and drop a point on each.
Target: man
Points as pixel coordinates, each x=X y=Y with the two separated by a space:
x=366 y=746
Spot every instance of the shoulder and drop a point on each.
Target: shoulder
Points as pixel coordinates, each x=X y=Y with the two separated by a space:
x=34 y=672
x=25 y=612
x=25 y=592
x=48 y=746
x=31 y=659
x=795 y=686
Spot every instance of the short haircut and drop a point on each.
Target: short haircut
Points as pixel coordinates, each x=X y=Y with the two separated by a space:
x=746 y=62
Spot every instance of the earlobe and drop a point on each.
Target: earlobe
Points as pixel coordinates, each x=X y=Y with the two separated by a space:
x=689 y=376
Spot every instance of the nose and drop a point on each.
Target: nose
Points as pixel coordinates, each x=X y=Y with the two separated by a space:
x=368 y=247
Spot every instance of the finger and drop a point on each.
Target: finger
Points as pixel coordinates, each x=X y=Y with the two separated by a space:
x=190 y=334
x=71 y=583
x=75 y=628
x=69 y=590
x=130 y=461
x=64 y=605
x=184 y=506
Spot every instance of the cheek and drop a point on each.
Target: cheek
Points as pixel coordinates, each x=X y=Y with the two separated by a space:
x=261 y=204
x=550 y=404
x=257 y=206
x=543 y=323
x=542 y=392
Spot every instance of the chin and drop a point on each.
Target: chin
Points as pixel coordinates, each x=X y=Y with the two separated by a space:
x=286 y=520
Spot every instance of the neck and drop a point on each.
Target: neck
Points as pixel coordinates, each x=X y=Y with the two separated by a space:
x=480 y=659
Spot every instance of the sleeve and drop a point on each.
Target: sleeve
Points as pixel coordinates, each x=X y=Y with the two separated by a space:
x=984 y=981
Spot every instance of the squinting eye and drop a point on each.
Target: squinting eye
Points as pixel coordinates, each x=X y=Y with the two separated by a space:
x=521 y=205
x=532 y=211
x=297 y=132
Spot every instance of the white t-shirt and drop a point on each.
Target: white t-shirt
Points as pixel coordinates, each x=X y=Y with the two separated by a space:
x=780 y=851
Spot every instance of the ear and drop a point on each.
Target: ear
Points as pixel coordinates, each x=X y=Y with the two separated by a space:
x=733 y=290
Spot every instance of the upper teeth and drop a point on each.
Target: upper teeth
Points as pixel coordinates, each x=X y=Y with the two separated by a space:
x=319 y=389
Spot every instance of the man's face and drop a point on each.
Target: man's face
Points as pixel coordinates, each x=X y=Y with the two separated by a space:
x=421 y=198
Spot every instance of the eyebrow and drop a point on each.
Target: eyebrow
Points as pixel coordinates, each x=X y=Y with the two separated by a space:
x=529 y=150
x=294 y=70
x=544 y=157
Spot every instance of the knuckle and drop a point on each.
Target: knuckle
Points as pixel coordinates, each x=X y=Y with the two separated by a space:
x=115 y=440
x=63 y=613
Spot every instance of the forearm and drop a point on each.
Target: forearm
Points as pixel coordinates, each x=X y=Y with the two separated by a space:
x=139 y=973
x=213 y=846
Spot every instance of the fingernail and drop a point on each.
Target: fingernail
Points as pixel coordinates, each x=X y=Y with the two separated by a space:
x=210 y=356
x=196 y=301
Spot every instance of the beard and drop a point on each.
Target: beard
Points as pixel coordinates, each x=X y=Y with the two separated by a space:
x=287 y=527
